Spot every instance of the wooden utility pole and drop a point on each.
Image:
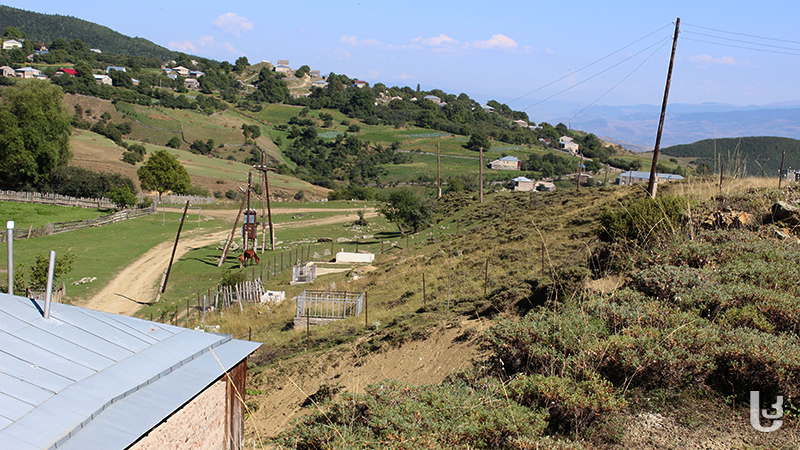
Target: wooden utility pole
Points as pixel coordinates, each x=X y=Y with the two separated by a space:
x=174 y=248
x=247 y=196
x=651 y=187
x=780 y=175
x=481 y=176
x=265 y=192
x=438 y=170
x=580 y=172
x=230 y=237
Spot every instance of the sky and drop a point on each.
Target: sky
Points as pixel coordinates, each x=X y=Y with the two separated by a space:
x=531 y=55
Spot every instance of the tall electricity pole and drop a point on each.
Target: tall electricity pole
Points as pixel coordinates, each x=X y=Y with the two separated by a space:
x=651 y=187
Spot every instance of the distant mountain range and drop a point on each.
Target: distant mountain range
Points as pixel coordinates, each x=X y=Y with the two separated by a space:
x=634 y=127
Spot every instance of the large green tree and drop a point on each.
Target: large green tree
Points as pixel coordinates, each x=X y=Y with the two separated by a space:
x=163 y=172
x=34 y=133
x=406 y=210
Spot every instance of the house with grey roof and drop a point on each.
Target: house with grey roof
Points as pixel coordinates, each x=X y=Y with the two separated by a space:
x=633 y=176
x=76 y=378
x=522 y=184
x=506 y=163
x=117 y=68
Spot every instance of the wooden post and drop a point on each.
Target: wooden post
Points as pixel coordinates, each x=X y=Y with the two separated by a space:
x=486 y=277
x=651 y=186
x=187 y=308
x=438 y=171
x=249 y=333
x=780 y=175
x=481 y=176
x=542 y=258
x=366 y=310
x=174 y=248
x=308 y=326
x=721 y=171
x=424 y=293
x=230 y=237
x=281 y=261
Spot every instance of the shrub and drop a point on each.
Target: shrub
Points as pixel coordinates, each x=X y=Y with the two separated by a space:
x=232 y=277
x=643 y=220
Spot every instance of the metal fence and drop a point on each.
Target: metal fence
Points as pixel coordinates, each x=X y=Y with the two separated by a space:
x=303 y=273
x=173 y=199
x=329 y=304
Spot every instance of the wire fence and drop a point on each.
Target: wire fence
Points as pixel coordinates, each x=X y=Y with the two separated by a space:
x=63 y=227
x=55 y=199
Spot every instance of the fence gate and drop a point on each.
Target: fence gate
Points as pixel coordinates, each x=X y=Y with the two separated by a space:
x=329 y=304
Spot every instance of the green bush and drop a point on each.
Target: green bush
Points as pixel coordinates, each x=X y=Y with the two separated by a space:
x=644 y=220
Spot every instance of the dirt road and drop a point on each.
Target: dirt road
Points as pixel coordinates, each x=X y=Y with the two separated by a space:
x=137 y=285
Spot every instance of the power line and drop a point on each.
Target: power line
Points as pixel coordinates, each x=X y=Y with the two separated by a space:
x=597 y=74
x=589 y=65
x=739 y=40
x=620 y=81
x=743 y=34
x=741 y=46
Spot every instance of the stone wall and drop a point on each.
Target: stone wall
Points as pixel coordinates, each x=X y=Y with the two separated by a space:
x=199 y=425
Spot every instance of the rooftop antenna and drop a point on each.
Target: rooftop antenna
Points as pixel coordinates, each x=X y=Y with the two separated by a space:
x=10 y=228
x=49 y=293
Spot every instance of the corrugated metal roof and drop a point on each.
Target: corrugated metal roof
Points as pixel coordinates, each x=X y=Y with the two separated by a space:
x=87 y=379
x=664 y=176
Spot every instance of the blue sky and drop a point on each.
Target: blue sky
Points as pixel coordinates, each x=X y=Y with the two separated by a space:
x=518 y=52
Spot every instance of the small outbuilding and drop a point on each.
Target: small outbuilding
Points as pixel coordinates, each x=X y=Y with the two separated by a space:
x=76 y=378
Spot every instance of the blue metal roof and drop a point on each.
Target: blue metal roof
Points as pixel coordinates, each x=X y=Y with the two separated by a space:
x=86 y=379
x=509 y=158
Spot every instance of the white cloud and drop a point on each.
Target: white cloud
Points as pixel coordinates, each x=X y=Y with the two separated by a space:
x=233 y=24
x=497 y=41
x=404 y=76
x=705 y=60
x=437 y=41
x=182 y=46
x=207 y=45
x=354 y=41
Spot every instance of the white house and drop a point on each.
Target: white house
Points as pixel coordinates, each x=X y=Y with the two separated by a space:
x=11 y=44
x=433 y=98
x=522 y=184
x=6 y=71
x=633 y=177
x=117 y=68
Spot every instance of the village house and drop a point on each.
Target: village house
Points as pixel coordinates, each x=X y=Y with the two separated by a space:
x=27 y=72
x=11 y=44
x=76 y=378
x=319 y=83
x=520 y=123
x=283 y=68
x=7 y=71
x=568 y=144
x=633 y=177
x=506 y=163
x=196 y=74
x=545 y=186
x=434 y=99
x=283 y=62
x=191 y=84
x=315 y=74
x=117 y=68
x=359 y=83
x=65 y=71
x=522 y=184
x=180 y=70
x=103 y=79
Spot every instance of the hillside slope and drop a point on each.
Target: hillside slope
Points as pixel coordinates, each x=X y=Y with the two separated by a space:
x=49 y=27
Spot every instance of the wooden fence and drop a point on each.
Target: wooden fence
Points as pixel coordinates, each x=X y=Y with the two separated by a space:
x=247 y=291
x=63 y=227
x=171 y=199
x=55 y=199
x=58 y=294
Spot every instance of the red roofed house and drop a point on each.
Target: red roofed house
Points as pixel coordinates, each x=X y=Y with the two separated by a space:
x=71 y=72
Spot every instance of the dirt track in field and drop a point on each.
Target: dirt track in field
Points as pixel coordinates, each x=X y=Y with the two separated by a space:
x=137 y=285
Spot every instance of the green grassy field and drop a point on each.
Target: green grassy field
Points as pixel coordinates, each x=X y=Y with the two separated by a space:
x=27 y=215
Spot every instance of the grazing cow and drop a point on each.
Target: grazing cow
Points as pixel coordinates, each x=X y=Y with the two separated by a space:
x=248 y=255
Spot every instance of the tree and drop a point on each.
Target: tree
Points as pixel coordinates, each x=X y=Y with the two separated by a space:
x=241 y=64
x=39 y=269
x=477 y=141
x=406 y=210
x=34 y=133
x=163 y=172
x=122 y=197
x=302 y=71
x=174 y=142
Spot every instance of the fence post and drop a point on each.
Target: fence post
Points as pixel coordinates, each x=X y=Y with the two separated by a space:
x=366 y=309
x=424 y=295
x=486 y=277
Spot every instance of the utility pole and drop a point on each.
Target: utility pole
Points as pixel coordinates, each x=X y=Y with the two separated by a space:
x=265 y=191
x=780 y=175
x=580 y=172
x=439 y=170
x=172 y=258
x=651 y=187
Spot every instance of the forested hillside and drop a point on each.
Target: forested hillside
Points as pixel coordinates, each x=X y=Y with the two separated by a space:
x=46 y=28
x=751 y=155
